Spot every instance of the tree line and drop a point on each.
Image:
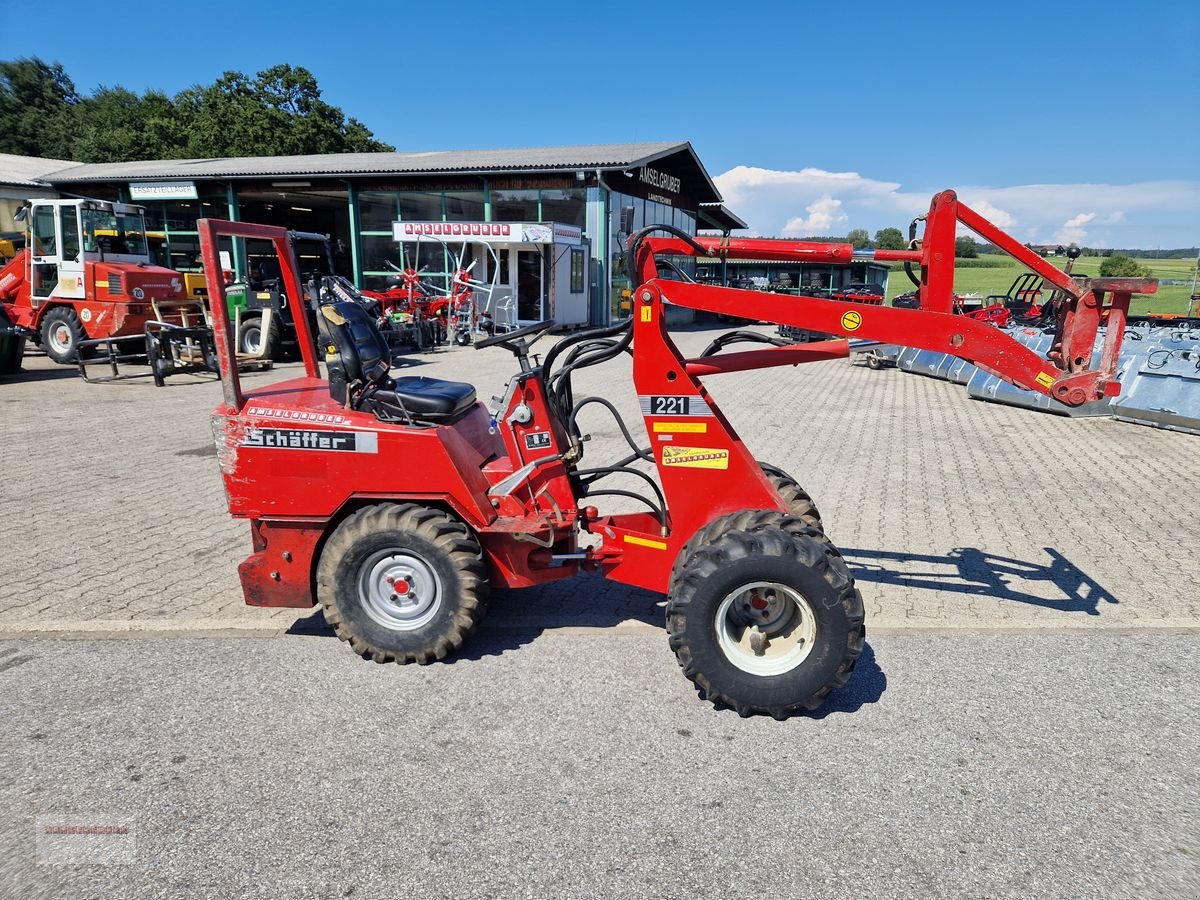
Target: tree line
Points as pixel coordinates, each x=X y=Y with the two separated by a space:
x=277 y=112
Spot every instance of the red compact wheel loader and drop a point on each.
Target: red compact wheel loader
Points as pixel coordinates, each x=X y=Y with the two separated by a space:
x=397 y=502
x=85 y=274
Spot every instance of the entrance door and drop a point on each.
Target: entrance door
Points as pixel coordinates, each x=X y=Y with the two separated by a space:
x=530 y=286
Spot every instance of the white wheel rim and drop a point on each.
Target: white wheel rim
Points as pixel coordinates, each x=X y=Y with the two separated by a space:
x=252 y=340
x=399 y=590
x=765 y=628
x=60 y=338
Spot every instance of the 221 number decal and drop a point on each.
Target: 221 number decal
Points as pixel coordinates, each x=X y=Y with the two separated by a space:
x=661 y=405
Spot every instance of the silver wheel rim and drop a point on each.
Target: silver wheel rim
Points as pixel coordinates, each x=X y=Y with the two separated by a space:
x=251 y=340
x=399 y=590
x=765 y=628
x=60 y=338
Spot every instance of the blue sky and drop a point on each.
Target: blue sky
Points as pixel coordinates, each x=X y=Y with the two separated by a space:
x=1064 y=120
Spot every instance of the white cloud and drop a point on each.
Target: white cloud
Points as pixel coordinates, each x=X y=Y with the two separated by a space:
x=823 y=215
x=1072 y=230
x=1146 y=214
x=994 y=214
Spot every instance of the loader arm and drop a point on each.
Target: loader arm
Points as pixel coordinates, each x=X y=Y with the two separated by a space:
x=1066 y=375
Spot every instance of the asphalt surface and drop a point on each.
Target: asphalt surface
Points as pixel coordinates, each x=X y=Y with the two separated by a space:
x=580 y=763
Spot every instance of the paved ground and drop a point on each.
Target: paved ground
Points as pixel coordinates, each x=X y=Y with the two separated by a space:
x=953 y=513
x=582 y=765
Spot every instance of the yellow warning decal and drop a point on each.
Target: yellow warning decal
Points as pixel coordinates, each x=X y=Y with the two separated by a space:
x=645 y=542
x=647 y=313
x=1045 y=380
x=851 y=321
x=681 y=427
x=696 y=457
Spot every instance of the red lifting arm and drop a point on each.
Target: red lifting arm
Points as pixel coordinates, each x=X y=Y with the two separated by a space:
x=1066 y=375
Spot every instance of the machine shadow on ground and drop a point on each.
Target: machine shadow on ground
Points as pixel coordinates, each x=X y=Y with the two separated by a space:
x=57 y=374
x=974 y=572
x=518 y=618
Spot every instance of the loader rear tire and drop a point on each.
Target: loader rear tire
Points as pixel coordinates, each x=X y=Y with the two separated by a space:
x=810 y=634
x=61 y=333
x=402 y=583
x=800 y=504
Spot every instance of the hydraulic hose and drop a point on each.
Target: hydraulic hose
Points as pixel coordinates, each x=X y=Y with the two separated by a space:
x=635 y=243
x=913 y=244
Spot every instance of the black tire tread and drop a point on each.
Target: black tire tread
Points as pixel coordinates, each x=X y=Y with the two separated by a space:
x=435 y=526
x=804 y=519
x=273 y=336
x=798 y=500
x=777 y=538
x=71 y=318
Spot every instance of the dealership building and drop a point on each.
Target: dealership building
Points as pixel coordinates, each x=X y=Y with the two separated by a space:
x=539 y=223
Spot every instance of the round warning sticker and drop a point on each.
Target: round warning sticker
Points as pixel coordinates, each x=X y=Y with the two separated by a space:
x=851 y=321
x=85 y=314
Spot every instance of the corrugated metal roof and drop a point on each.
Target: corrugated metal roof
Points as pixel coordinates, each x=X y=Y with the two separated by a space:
x=590 y=156
x=29 y=171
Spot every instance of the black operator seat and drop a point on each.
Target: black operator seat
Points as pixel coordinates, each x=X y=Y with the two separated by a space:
x=365 y=360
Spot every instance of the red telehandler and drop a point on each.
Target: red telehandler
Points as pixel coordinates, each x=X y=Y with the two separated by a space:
x=397 y=502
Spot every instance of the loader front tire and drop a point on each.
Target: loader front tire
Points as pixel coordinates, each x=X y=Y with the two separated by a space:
x=61 y=333
x=402 y=583
x=765 y=621
x=803 y=518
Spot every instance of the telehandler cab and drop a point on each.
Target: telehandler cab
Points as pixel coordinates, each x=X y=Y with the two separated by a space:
x=397 y=502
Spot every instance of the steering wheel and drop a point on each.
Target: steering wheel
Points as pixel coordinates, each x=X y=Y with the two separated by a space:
x=502 y=340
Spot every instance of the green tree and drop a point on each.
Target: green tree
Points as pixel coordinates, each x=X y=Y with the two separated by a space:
x=890 y=239
x=859 y=238
x=966 y=248
x=1121 y=266
x=37 y=104
x=117 y=124
x=279 y=112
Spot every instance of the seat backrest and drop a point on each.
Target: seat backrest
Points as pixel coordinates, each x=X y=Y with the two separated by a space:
x=364 y=352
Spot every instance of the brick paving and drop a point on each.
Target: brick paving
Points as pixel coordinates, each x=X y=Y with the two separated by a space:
x=954 y=514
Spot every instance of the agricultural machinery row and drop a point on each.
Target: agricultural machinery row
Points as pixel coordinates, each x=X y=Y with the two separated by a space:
x=84 y=286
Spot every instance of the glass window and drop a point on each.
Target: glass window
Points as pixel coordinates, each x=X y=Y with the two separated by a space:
x=567 y=206
x=44 y=243
x=464 y=206
x=577 y=270
x=377 y=251
x=425 y=206
x=69 y=216
x=515 y=206
x=376 y=211
x=181 y=215
x=155 y=217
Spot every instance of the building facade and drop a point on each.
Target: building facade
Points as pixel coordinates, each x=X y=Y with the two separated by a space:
x=363 y=201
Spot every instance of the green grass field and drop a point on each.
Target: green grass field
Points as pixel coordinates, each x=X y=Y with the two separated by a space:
x=984 y=281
